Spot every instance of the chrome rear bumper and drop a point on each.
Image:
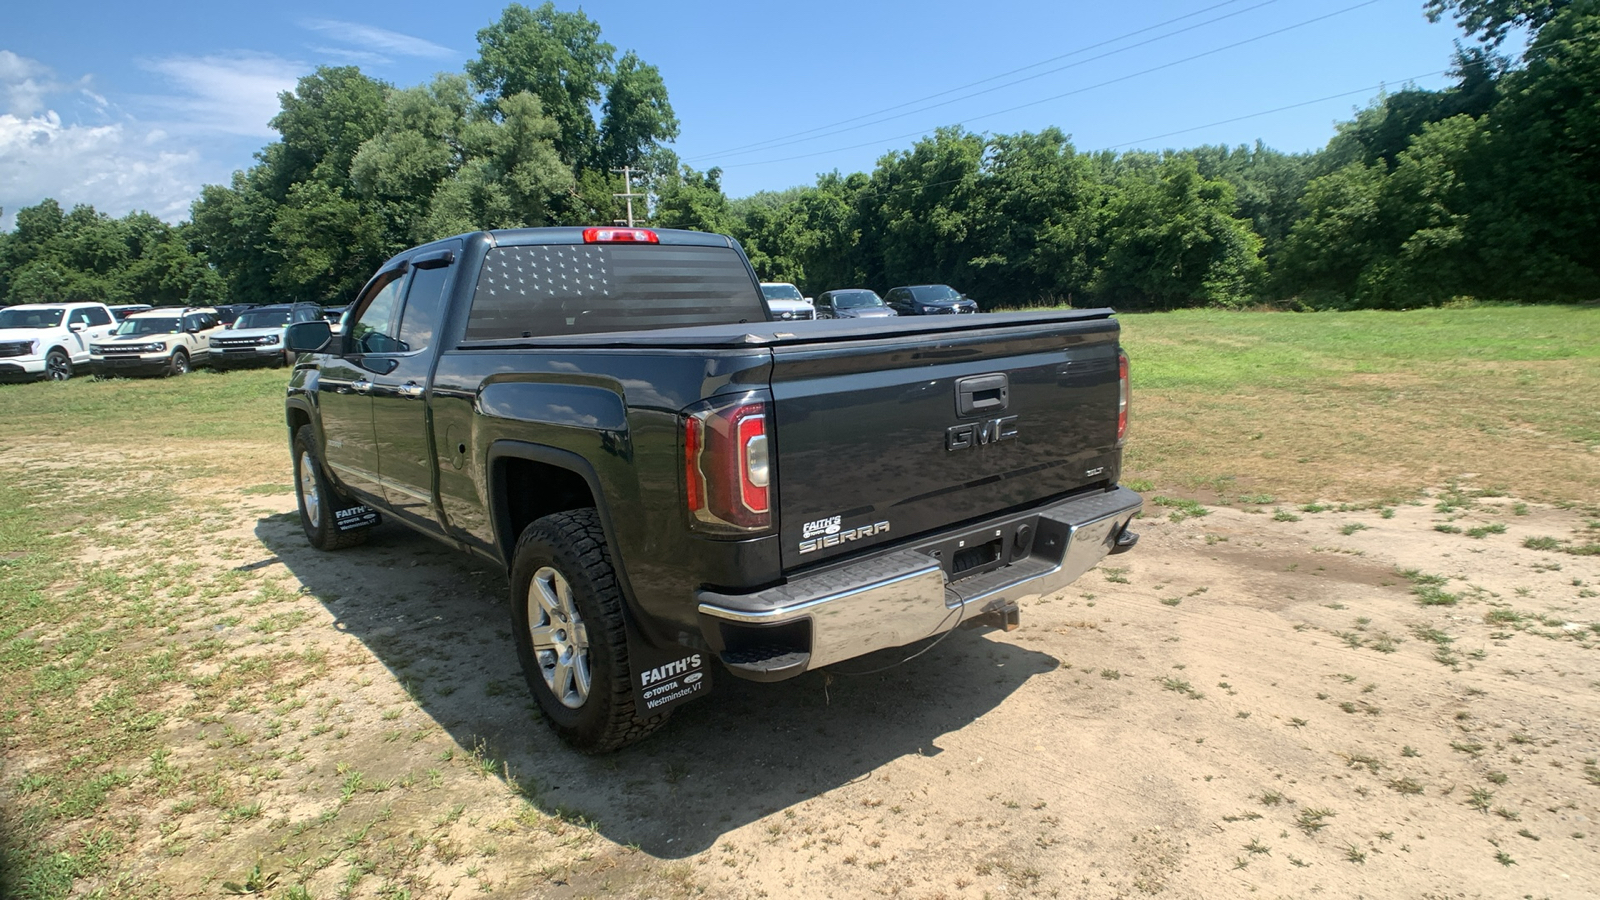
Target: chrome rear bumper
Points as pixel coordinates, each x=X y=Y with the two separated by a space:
x=909 y=594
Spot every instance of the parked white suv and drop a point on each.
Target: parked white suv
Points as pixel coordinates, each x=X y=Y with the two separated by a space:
x=159 y=341
x=49 y=340
x=256 y=337
x=786 y=301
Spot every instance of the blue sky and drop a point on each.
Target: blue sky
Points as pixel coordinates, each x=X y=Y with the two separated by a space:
x=135 y=106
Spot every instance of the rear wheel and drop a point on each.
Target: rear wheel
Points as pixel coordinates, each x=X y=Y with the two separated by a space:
x=571 y=639
x=58 y=366
x=179 y=364
x=317 y=498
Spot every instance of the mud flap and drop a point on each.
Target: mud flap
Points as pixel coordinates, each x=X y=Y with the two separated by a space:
x=665 y=677
x=355 y=516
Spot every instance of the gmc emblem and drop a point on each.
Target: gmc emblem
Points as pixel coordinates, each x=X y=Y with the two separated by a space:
x=972 y=434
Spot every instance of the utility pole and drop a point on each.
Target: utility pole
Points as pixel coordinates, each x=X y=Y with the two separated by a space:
x=627 y=179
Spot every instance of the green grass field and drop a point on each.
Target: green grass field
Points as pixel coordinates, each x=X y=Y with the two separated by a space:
x=1337 y=406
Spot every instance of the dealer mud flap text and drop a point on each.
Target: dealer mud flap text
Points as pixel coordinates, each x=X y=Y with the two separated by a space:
x=664 y=678
x=350 y=518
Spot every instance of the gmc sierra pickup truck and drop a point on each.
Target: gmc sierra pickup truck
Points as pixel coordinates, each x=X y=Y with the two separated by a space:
x=676 y=483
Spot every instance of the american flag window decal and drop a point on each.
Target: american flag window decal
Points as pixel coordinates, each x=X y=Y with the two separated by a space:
x=543 y=289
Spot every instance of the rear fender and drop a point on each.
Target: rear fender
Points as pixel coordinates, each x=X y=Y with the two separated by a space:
x=665 y=669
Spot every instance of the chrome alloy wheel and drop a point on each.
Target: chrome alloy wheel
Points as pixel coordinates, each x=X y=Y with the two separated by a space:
x=308 y=489
x=560 y=639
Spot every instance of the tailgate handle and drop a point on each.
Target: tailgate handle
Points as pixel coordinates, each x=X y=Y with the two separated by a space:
x=981 y=394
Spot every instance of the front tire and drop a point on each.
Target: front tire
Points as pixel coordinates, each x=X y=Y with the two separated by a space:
x=567 y=619
x=179 y=364
x=317 y=498
x=57 y=366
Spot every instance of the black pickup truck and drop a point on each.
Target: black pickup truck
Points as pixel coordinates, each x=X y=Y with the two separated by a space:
x=672 y=478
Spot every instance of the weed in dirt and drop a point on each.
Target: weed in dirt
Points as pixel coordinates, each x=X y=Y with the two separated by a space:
x=1271 y=798
x=1313 y=819
x=1483 y=531
x=1181 y=509
x=1504 y=858
x=1410 y=752
x=1180 y=686
x=1480 y=799
x=1447 y=528
x=1110 y=674
x=1352 y=528
x=1256 y=848
x=1431 y=635
x=1257 y=499
x=1541 y=543
x=1298 y=723
x=1283 y=515
x=1362 y=761
x=1355 y=854
x=1171 y=601
x=1495 y=776
x=1115 y=575
x=1405 y=786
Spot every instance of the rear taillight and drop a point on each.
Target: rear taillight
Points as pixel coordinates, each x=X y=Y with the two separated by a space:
x=727 y=466
x=1122 y=396
x=620 y=236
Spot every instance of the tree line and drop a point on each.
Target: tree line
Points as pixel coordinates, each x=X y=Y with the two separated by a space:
x=1488 y=188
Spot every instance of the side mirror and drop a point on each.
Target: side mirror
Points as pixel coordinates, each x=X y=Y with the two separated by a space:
x=78 y=328
x=307 y=337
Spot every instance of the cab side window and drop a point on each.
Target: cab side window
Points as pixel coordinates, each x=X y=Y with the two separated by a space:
x=424 y=304
x=97 y=316
x=78 y=317
x=373 y=330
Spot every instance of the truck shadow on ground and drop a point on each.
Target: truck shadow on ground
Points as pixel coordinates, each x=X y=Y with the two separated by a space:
x=440 y=622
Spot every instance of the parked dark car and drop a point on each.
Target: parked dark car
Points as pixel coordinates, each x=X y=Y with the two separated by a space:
x=227 y=312
x=929 y=300
x=677 y=485
x=852 y=303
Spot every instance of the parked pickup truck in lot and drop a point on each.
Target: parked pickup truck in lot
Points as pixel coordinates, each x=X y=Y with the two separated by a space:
x=676 y=484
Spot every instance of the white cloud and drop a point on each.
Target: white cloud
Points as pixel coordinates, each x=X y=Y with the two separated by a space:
x=24 y=84
x=115 y=167
x=376 y=40
x=233 y=95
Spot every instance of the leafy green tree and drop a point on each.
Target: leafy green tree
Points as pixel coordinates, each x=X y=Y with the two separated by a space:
x=556 y=56
x=1172 y=240
x=1540 y=221
x=636 y=116
x=692 y=200
x=1491 y=21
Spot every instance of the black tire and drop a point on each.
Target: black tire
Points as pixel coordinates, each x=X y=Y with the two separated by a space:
x=318 y=503
x=57 y=365
x=179 y=364
x=573 y=545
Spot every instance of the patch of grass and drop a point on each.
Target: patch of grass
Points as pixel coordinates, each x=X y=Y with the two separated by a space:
x=1352 y=528
x=1178 y=685
x=1283 y=515
x=1483 y=531
x=1541 y=543
x=1447 y=528
x=1181 y=508
x=1312 y=819
x=1405 y=786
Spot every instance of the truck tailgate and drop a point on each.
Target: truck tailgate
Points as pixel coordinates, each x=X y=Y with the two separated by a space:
x=884 y=439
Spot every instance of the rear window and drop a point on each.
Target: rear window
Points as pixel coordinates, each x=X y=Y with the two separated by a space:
x=585 y=289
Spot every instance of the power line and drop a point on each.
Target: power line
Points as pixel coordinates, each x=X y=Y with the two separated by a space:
x=1375 y=87
x=1266 y=112
x=988 y=115
x=765 y=144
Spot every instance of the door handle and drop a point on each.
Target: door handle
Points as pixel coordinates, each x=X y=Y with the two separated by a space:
x=410 y=390
x=361 y=387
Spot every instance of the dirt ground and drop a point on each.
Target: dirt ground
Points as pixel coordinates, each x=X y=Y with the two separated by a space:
x=1254 y=700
